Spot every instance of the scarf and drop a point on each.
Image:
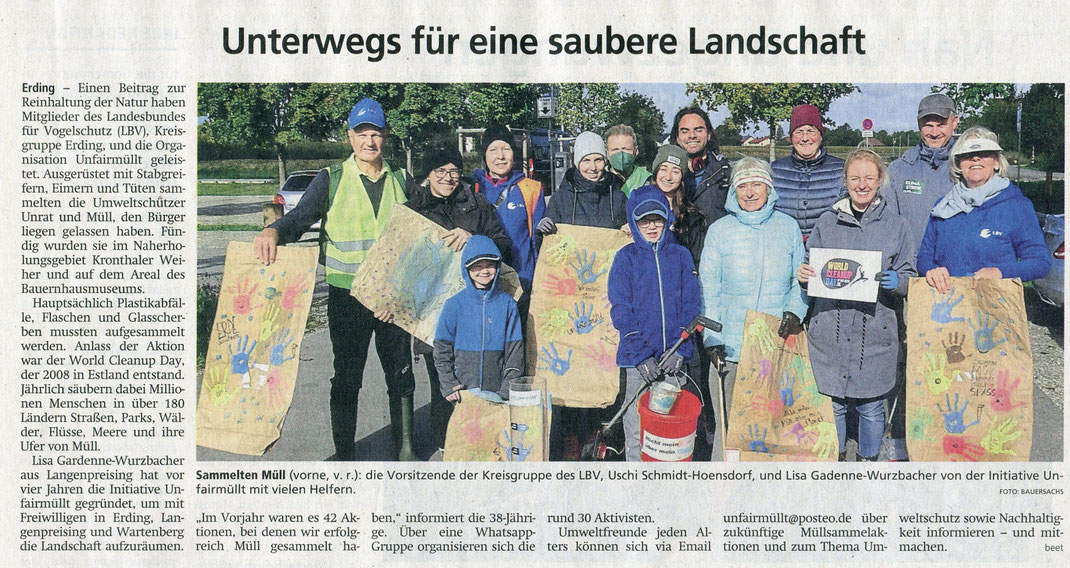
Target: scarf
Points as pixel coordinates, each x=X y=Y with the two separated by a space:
x=962 y=199
x=935 y=156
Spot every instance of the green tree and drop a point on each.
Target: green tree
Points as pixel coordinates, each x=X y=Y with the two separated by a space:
x=1043 y=119
x=766 y=103
x=727 y=133
x=274 y=115
x=511 y=104
x=971 y=98
x=640 y=112
x=586 y=106
x=843 y=135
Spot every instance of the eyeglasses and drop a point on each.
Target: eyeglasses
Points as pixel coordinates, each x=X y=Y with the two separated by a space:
x=443 y=173
x=656 y=222
x=805 y=130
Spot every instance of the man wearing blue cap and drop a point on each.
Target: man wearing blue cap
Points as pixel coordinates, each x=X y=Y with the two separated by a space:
x=354 y=200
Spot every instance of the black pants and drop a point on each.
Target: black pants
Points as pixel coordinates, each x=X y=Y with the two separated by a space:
x=351 y=326
x=439 y=408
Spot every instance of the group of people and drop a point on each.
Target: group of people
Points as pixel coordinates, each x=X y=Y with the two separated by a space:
x=709 y=237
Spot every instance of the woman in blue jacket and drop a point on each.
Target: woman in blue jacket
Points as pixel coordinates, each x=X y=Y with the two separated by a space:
x=517 y=199
x=984 y=227
x=748 y=263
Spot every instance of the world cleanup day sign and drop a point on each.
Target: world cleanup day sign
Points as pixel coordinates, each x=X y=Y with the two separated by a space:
x=844 y=274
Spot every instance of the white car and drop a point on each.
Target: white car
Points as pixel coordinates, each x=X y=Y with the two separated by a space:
x=293 y=189
x=1050 y=287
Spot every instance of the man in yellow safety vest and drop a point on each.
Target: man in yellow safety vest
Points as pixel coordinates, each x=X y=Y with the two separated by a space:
x=354 y=200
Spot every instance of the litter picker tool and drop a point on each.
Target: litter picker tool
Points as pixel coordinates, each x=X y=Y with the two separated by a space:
x=596 y=448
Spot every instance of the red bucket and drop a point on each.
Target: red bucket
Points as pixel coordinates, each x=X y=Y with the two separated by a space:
x=668 y=437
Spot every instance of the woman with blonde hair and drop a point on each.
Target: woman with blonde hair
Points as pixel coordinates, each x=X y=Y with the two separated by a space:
x=854 y=346
x=984 y=227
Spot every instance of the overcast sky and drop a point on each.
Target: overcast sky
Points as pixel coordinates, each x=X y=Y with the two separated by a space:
x=892 y=106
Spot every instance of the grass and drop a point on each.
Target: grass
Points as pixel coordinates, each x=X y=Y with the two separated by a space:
x=237 y=188
x=230 y=227
x=255 y=169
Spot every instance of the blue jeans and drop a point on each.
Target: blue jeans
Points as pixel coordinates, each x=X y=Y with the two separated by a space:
x=870 y=423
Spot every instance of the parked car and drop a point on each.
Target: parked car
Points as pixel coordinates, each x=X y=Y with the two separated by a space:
x=1050 y=287
x=293 y=189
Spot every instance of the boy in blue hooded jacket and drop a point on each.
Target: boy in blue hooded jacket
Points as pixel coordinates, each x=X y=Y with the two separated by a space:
x=478 y=341
x=654 y=295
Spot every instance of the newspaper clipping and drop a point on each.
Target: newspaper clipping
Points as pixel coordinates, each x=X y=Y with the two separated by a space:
x=587 y=337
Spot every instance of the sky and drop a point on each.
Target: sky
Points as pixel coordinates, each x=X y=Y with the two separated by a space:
x=891 y=106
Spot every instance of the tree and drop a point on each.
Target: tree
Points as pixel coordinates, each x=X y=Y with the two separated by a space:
x=843 y=135
x=586 y=106
x=274 y=115
x=639 y=112
x=766 y=103
x=510 y=104
x=1043 y=119
x=971 y=98
x=727 y=133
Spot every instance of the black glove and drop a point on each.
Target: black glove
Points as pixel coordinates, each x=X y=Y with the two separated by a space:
x=648 y=369
x=674 y=364
x=546 y=226
x=790 y=324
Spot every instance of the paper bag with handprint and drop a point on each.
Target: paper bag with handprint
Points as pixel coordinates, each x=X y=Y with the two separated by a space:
x=777 y=412
x=251 y=366
x=969 y=375
x=478 y=430
x=482 y=430
x=571 y=342
x=411 y=272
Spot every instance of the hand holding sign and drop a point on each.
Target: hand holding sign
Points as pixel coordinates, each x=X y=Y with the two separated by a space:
x=845 y=274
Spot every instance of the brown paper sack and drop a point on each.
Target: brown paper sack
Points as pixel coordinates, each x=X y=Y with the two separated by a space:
x=477 y=430
x=480 y=430
x=969 y=380
x=251 y=366
x=777 y=412
x=411 y=272
x=571 y=341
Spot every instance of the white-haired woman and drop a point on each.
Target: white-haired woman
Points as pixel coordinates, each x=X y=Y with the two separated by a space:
x=984 y=227
x=854 y=346
x=748 y=262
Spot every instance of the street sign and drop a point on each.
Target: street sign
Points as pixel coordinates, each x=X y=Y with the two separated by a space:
x=867 y=134
x=867 y=124
x=547 y=106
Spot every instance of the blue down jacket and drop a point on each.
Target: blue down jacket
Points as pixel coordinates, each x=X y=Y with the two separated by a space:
x=652 y=289
x=807 y=188
x=749 y=263
x=601 y=206
x=478 y=341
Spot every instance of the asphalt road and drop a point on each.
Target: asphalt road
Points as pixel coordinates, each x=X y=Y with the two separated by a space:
x=306 y=433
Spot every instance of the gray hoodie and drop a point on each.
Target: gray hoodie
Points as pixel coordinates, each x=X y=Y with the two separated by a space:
x=916 y=181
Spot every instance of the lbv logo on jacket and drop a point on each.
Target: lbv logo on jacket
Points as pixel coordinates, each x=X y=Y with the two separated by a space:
x=985 y=233
x=511 y=205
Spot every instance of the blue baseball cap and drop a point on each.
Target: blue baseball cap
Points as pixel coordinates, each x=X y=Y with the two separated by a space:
x=367 y=111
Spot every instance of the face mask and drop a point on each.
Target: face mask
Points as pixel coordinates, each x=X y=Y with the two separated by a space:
x=622 y=161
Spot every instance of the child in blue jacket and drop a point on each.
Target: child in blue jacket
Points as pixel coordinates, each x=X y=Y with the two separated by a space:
x=654 y=295
x=478 y=344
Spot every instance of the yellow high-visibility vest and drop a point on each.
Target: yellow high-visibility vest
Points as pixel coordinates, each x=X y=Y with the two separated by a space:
x=351 y=225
